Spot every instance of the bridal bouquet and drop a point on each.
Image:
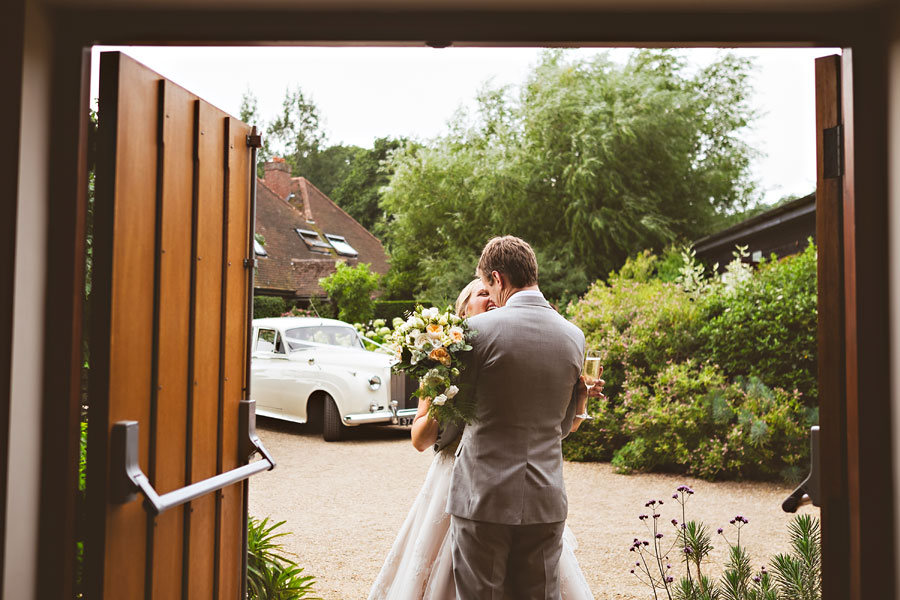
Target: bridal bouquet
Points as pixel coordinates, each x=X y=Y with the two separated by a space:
x=428 y=346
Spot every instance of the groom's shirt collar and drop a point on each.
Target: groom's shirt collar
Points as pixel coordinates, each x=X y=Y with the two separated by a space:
x=527 y=297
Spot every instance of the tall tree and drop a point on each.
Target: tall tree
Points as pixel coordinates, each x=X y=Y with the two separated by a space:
x=590 y=161
x=296 y=133
x=359 y=190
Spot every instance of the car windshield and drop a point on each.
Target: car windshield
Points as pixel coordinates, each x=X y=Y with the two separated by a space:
x=331 y=335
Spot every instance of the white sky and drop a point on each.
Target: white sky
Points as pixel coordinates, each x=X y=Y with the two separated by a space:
x=365 y=93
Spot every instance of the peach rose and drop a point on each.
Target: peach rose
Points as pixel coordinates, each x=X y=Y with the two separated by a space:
x=441 y=355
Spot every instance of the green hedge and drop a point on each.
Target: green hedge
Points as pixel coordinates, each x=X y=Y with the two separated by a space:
x=388 y=309
x=268 y=306
x=716 y=380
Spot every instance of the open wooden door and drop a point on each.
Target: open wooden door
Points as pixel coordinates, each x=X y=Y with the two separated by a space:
x=168 y=443
x=831 y=335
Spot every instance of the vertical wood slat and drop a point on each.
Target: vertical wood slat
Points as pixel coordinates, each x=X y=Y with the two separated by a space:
x=122 y=389
x=831 y=359
x=235 y=346
x=210 y=142
x=173 y=386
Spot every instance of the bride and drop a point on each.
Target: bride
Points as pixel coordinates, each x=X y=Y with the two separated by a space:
x=419 y=565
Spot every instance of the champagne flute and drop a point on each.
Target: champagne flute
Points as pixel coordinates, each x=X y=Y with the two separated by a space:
x=591 y=373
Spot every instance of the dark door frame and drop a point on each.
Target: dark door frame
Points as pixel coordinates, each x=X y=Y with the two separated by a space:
x=869 y=471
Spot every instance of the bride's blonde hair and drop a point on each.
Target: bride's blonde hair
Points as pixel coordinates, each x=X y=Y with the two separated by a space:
x=462 y=302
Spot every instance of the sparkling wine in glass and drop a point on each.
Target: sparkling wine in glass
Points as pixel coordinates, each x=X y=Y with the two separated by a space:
x=592 y=368
x=591 y=373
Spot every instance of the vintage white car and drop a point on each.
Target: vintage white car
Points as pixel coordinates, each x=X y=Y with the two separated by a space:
x=317 y=371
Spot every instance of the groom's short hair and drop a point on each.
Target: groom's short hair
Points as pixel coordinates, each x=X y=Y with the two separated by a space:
x=511 y=256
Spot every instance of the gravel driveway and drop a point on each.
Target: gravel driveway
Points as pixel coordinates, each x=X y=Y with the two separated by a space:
x=343 y=503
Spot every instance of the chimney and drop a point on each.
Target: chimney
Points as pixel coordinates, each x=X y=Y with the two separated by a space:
x=277 y=177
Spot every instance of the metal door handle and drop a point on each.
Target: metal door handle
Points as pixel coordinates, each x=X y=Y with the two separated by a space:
x=128 y=479
x=809 y=490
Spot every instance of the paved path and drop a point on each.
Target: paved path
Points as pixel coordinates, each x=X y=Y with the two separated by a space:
x=344 y=501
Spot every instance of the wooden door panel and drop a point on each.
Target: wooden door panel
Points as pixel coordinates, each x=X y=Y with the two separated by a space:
x=831 y=341
x=209 y=157
x=131 y=317
x=173 y=217
x=234 y=358
x=168 y=424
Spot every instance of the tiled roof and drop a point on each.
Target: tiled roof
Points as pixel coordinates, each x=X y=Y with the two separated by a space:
x=290 y=268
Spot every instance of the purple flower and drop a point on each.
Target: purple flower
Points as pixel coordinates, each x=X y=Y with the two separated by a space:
x=687 y=550
x=632 y=571
x=720 y=530
x=650 y=503
x=670 y=579
x=646 y=543
x=731 y=521
x=675 y=522
x=656 y=516
x=757 y=579
x=675 y=496
x=642 y=517
x=659 y=536
x=668 y=566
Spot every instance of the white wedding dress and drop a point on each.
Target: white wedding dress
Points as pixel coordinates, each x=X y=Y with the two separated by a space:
x=419 y=565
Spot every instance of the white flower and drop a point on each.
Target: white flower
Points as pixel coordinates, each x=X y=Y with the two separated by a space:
x=434 y=330
x=421 y=341
x=419 y=323
x=443 y=319
x=439 y=399
x=456 y=334
x=451 y=391
x=430 y=313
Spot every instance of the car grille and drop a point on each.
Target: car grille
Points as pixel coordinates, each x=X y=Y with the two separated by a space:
x=402 y=387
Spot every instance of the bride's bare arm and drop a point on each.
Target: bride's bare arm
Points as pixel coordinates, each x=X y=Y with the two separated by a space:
x=424 y=428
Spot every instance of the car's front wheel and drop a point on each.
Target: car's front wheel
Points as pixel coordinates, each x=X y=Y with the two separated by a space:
x=332 y=428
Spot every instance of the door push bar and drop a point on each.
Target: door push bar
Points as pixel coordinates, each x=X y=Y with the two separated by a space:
x=128 y=479
x=809 y=490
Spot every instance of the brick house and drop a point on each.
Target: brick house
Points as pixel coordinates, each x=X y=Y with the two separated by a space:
x=305 y=235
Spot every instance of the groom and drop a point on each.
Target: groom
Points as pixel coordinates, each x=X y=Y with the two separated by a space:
x=507 y=498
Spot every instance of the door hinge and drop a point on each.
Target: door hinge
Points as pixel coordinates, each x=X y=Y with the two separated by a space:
x=254 y=140
x=250 y=263
x=833 y=152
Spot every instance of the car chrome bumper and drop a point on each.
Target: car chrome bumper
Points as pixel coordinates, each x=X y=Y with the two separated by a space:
x=382 y=416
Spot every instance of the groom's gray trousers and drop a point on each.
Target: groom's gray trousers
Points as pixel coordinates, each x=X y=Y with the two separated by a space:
x=525 y=557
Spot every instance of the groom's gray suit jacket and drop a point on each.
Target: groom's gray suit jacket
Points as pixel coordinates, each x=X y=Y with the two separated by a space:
x=523 y=368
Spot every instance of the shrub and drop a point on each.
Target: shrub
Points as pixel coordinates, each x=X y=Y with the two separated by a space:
x=767 y=327
x=693 y=421
x=270 y=574
x=351 y=290
x=709 y=376
x=268 y=306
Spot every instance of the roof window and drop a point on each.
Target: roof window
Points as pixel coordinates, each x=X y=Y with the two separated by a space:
x=259 y=249
x=313 y=241
x=339 y=243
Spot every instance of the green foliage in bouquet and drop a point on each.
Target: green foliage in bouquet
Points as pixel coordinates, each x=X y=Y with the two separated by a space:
x=270 y=574
x=428 y=346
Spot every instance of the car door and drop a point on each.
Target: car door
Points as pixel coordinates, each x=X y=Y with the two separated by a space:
x=273 y=375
